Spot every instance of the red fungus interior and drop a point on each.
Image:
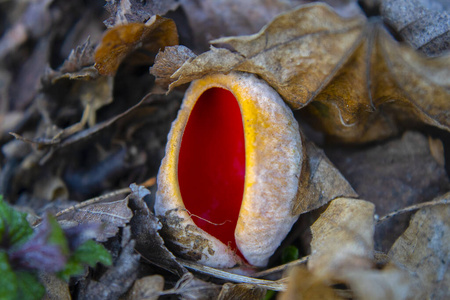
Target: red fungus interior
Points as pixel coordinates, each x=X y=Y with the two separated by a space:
x=211 y=164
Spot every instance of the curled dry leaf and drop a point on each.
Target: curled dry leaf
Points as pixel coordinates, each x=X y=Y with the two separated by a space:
x=358 y=81
x=169 y=61
x=393 y=175
x=144 y=227
x=113 y=214
x=342 y=236
x=121 y=40
x=342 y=252
x=423 y=249
x=217 y=18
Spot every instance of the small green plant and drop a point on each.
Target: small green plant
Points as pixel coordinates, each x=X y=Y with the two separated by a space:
x=25 y=252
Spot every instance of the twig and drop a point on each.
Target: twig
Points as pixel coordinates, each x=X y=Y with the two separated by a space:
x=282 y=268
x=279 y=285
x=444 y=199
x=148 y=183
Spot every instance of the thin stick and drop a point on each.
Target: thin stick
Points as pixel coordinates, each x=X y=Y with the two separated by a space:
x=94 y=200
x=282 y=268
x=444 y=199
x=148 y=183
x=279 y=285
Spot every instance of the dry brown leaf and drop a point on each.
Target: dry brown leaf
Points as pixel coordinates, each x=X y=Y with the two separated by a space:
x=135 y=11
x=241 y=291
x=342 y=236
x=118 y=278
x=303 y=284
x=80 y=57
x=319 y=181
x=424 y=250
x=169 y=61
x=423 y=24
x=144 y=227
x=362 y=82
x=190 y=288
x=121 y=40
x=113 y=214
x=217 y=18
x=393 y=175
x=148 y=288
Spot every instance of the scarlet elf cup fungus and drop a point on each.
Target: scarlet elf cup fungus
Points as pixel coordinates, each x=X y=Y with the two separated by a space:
x=228 y=181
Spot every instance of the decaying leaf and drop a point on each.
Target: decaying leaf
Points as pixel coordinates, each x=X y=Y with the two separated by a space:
x=80 y=57
x=169 y=61
x=189 y=288
x=342 y=252
x=135 y=11
x=145 y=226
x=423 y=249
x=423 y=24
x=390 y=283
x=362 y=82
x=241 y=291
x=149 y=288
x=218 y=18
x=121 y=40
x=117 y=279
x=112 y=214
x=319 y=181
x=393 y=175
x=342 y=236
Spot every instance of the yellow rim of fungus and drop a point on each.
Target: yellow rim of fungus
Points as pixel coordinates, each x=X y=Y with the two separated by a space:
x=273 y=155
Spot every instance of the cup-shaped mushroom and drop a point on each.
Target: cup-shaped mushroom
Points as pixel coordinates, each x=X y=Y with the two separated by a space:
x=229 y=178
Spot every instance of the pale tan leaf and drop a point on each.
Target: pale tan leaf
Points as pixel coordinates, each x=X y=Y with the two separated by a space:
x=148 y=288
x=424 y=249
x=342 y=236
x=390 y=283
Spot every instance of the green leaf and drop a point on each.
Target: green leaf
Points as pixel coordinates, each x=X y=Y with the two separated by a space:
x=8 y=279
x=57 y=236
x=92 y=253
x=89 y=253
x=72 y=268
x=14 y=227
x=290 y=253
x=29 y=287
